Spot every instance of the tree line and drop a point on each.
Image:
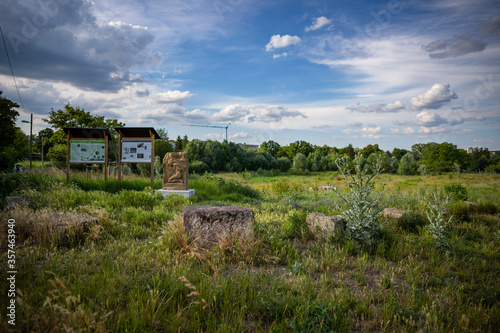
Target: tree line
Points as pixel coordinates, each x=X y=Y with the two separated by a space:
x=213 y=156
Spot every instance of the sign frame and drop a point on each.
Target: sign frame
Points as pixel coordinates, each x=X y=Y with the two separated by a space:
x=87 y=134
x=137 y=134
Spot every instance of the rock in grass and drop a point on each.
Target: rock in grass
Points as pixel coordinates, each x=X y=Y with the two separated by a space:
x=323 y=226
x=206 y=225
x=15 y=201
x=64 y=221
x=394 y=212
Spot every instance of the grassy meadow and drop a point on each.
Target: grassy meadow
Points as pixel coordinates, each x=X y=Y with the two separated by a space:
x=136 y=271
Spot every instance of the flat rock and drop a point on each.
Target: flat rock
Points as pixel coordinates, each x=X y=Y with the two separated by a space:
x=15 y=201
x=62 y=221
x=323 y=226
x=471 y=204
x=207 y=225
x=394 y=212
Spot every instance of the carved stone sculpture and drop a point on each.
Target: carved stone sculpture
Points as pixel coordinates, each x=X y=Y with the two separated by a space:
x=175 y=171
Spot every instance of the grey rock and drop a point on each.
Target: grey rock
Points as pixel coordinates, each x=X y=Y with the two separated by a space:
x=323 y=226
x=394 y=212
x=15 y=201
x=207 y=225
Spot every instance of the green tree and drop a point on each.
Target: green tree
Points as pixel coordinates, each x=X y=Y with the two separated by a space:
x=163 y=134
x=185 y=142
x=407 y=165
x=399 y=153
x=370 y=149
x=300 y=162
x=441 y=156
x=178 y=144
x=479 y=159
x=76 y=117
x=11 y=137
x=47 y=144
x=348 y=151
x=271 y=147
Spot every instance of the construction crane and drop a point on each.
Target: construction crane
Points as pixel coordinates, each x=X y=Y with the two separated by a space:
x=211 y=126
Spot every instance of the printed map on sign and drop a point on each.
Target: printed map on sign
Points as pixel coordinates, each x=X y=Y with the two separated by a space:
x=91 y=151
x=136 y=151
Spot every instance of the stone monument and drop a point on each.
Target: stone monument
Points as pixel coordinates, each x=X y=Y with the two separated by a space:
x=175 y=175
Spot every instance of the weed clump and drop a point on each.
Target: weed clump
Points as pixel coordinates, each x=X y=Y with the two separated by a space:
x=361 y=210
x=411 y=221
x=458 y=191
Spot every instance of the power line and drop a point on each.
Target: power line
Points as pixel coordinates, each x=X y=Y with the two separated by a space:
x=12 y=71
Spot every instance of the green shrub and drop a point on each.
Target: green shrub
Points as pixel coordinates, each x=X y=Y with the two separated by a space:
x=411 y=221
x=360 y=209
x=487 y=208
x=296 y=225
x=460 y=210
x=459 y=191
x=198 y=167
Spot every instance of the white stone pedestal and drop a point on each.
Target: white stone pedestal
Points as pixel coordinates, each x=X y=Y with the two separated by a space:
x=187 y=193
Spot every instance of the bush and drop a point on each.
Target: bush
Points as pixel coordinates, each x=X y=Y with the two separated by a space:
x=198 y=167
x=411 y=221
x=283 y=164
x=459 y=191
x=296 y=225
x=360 y=210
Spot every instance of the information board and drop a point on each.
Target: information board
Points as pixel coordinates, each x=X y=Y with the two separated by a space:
x=87 y=151
x=136 y=151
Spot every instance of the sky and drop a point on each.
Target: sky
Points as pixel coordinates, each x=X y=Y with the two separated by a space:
x=330 y=72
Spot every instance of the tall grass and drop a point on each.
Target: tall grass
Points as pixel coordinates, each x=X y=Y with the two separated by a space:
x=136 y=271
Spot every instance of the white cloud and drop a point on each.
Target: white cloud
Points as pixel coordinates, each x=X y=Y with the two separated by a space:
x=174 y=96
x=233 y=112
x=378 y=107
x=284 y=54
x=278 y=42
x=433 y=130
x=255 y=113
x=317 y=23
x=433 y=98
x=366 y=132
x=427 y=119
x=240 y=135
x=403 y=131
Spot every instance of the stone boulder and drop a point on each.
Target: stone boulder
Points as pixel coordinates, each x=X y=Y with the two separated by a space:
x=324 y=226
x=15 y=201
x=207 y=225
x=393 y=212
x=64 y=221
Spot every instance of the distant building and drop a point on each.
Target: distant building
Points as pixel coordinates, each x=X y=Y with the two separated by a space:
x=246 y=145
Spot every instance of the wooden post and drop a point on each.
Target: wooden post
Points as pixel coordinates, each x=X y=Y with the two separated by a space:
x=105 y=157
x=119 y=159
x=67 y=157
x=152 y=160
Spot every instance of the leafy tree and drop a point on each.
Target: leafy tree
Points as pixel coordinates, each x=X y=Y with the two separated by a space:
x=479 y=159
x=314 y=160
x=408 y=165
x=161 y=148
x=283 y=164
x=185 y=142
x=12 y=140
x=79 y=118
x=271 y=147
x=163 y=134
x=441 y=156
x=300 y=162
x=302 y=147
x=399 y=153
x=178 y=144
x=370 y=149
x=348 y=151
x=47 y=144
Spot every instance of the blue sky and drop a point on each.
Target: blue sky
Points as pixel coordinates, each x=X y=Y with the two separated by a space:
x=394 y=73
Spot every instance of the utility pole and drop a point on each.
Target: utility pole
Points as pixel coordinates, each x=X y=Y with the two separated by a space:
x=31 y=138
